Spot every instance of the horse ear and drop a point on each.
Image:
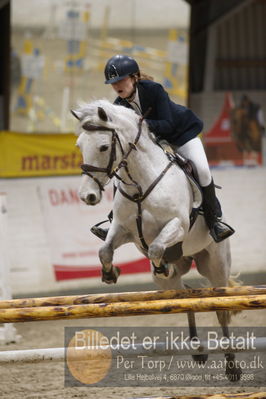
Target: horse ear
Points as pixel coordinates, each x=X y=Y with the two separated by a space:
x=102 y=114
x=76 y=114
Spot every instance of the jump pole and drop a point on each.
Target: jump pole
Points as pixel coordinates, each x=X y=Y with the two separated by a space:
x=133 y=296
x=58 y=354
x=133 y=308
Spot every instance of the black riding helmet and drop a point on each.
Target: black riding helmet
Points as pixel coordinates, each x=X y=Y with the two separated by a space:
x=119 y=67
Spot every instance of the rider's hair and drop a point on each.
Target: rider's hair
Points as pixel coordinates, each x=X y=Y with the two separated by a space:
x=142 y=76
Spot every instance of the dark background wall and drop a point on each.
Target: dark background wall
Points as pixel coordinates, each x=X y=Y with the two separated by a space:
x=239 y=45
x=5 y=52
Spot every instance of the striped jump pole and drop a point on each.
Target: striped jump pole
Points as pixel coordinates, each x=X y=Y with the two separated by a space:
x=133 y=296
x=162 y=306
x=58 y=354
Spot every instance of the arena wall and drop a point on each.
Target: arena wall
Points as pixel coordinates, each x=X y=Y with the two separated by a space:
x=49 y=237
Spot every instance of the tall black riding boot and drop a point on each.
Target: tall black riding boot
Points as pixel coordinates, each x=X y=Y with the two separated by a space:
x=213 y=214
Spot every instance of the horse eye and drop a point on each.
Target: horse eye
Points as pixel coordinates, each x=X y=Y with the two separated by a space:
x=103 y=148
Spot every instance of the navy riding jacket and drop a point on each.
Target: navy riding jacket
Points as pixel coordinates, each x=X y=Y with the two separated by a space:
x=173 y=122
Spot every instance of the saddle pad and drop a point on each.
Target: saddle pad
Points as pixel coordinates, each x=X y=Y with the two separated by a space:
x=196 y=190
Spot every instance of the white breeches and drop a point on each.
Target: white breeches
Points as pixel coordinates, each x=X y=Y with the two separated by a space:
x=194 y=151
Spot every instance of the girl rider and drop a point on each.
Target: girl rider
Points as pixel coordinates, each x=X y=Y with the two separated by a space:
x=176 y=124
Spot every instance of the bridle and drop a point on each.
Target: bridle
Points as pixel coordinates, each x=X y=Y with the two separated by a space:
x=86 y=168
x=111 y=172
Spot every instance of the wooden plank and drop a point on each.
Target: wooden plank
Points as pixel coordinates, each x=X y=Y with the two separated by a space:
x=133 y=296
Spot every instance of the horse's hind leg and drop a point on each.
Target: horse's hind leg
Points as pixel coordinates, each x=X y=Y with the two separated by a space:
x=181 y=267
x=193 y=334
x=232 y=371
x=214 y=263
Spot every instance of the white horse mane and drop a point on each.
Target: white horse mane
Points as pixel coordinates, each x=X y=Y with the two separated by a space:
x=118 y=116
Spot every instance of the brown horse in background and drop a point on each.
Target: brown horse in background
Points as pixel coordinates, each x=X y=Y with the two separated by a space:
x=245 y=130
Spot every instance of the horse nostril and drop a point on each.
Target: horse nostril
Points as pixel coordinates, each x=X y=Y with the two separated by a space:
x=91 y=198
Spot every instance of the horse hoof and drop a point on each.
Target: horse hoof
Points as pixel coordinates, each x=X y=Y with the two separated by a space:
x=164 y=271
x=116 y=273
x=233 y=374
x=111 y=276
x=200 y=359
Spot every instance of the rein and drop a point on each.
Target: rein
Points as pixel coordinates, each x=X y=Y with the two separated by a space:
x=111 y=172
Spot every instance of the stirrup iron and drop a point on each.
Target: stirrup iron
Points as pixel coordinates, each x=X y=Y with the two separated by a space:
x=99 y=231
x=221 y=235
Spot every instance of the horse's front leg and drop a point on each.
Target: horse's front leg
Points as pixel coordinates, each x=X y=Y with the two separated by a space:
x=116 y=237
x=172 y=233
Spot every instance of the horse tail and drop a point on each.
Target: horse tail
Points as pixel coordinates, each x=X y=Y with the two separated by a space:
x=234 y=281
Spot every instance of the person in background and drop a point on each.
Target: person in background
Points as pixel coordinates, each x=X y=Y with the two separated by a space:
x=176 y=124
x=254 y=112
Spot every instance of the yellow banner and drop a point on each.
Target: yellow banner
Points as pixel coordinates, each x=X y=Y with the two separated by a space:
x=28 y=155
